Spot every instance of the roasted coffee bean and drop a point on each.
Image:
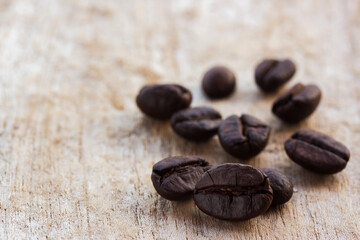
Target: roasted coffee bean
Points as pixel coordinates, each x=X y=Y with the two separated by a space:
x=196 y=124
x=270 y=74
x=233 y=191
x=297 y=103
x=174 y=178
x=281 y=186
x=218 y=82
x=162 y=100
x=243 y=137
x=317 y=152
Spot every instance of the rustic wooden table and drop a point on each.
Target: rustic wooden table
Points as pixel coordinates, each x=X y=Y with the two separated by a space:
x=76 y=154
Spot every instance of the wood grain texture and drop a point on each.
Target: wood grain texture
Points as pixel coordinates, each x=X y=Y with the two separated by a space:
x=76 y=154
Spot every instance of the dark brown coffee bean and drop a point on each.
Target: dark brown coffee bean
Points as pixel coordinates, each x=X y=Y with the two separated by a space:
x=317 y=152
x=297 y=103
x=281 y=186
x=196 y=124
x=270 y=74
x=174 y=178
x=233 y=191
x=162 y=100
x=218 y=82
x=243 y=137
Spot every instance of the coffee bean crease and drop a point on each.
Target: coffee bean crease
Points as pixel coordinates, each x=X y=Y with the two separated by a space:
x=180 y=169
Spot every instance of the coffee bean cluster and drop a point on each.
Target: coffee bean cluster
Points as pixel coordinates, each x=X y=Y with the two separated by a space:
x=234 y=191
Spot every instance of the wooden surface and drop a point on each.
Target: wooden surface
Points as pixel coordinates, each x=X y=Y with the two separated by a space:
x=76 y=154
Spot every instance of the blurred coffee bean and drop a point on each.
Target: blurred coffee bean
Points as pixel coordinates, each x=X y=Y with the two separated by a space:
x=317 y=152
x=196 y=124
x=271 y=74
x=162 y=100
x=218 y=82
x=297 y=103
x=281 y=186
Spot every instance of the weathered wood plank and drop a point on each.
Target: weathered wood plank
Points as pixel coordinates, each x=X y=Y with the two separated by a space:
x=76 y=154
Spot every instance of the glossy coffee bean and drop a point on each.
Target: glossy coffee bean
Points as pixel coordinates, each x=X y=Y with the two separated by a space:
x=243 y=137
x=317 y=152
x=196 y=124
x=271 y=74
x=218 y=82
x=174 y=178
x=281 y=186
x=233 y=191
x=162 y=100
x=297 y=103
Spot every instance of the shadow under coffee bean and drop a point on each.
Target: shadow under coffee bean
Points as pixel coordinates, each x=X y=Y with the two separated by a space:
x=174 y=178
x=233 y=191
x=243 y=137
x=317 y=152
x=196 y=124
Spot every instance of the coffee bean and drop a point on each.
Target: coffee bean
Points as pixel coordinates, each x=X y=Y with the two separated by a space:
x=162 y=100
x=233 y=191
x=196 y=124
x=174 y=178
x=281 y=186
x=317 y=152
x=243 y=137
x=218 y=82
x=297 y=103
x=270 y=74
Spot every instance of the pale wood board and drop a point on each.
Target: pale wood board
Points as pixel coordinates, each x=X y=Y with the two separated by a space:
x=76 y=154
